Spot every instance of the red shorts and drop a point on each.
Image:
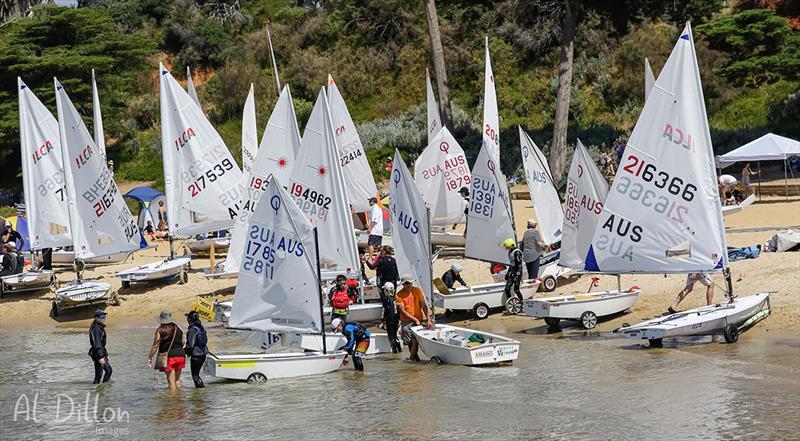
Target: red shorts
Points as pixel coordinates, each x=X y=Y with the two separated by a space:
x=174 y=364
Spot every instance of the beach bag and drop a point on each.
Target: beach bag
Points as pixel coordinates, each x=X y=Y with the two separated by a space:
x=477 y=338
x=161 y=358
x=340 y=299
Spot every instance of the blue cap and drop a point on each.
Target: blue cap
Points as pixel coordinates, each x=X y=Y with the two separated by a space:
x=100 y=313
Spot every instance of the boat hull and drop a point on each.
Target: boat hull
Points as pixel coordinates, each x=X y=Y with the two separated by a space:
x=435 y=343
x=359 y=313
x=204 y=245
x=707 y=320
x=491 y=295
x=272 y=366
x=378 y=343
x=155 y=271
x=67 y=258
x=572 y=307
x=76 y=294
x=33 y=280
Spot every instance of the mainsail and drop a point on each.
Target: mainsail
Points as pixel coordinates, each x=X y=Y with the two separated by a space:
x=42 y=173
x=190 y=87
x=586 y=193
x=278 y=287
x=202 y=182
x=249 y=132
x=318 y=188
x=649 y=79
x=97 y=119
x=440 y=172
x=100 y=221
x=410 y=229
x=491 y=119
x=663 y=213
x=357 y=174
x=543 y=192
x=490 y=220
x=434 y=121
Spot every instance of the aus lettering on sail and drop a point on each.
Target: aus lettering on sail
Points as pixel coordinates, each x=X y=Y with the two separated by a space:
x=618 y=237
x=267 y=248
x=405 y=220
x=576 y=204
x=454 y=169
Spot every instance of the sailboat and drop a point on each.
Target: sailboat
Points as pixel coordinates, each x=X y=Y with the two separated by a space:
x=663 y=213
x=278 y=291
x=410 y=229
x=99 y=220
x=586 y=193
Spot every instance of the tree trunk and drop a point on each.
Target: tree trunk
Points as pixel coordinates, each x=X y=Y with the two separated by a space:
x=558 y=150
x=438 y=64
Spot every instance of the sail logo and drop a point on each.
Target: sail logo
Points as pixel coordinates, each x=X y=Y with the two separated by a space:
x=339 y=130
x=182 y=140
x=678 y=136
x=41 y=151
x=537 y=176
x=275 y=203
x=83 y=157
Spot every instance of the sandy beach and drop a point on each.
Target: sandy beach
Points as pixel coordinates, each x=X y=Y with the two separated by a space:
x=776 y=272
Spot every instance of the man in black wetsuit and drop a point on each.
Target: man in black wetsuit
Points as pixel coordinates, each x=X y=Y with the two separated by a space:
x=97 y=347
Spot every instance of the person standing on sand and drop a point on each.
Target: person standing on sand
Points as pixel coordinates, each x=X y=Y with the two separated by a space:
x=532 y=248
x=375 y=227
x=413 y=312
x=97 y=348
x=196 y=346
x=162 y=217
x=168 y=342
x=746 y=173
x=691 y=279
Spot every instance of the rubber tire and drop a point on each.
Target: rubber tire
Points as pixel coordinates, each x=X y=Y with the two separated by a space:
x=437 y=360
x=126 y=284
x=550 y=284
x=480 y=311
x=588 y=320
x=513 y=305
x=80 y=266
x=731 y=334
x=256 y=378
x=54 y=309
x=183 y=278
x=552 y=321
x=656 y=343
x=56 y=283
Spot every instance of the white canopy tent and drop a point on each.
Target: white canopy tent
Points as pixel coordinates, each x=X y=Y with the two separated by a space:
x=770 y=147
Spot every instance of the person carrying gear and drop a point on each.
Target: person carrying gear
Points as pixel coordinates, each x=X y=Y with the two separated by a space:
x=340 y=297
x=196 y=346
x=391 y=316
x=453 y=275
x=357 y=340
x=513 y=276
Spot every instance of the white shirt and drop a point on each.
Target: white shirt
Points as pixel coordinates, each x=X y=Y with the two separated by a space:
x=376 y=215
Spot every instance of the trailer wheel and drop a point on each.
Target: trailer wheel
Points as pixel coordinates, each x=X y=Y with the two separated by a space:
x=550 y=283
x=480 y=311
x=731 y=334
x=183 y=278
x=513 y=305
x=656 y=343
x=54 y=309
x=2 y=289
x=588 y=320
x=126 y=284
x=56 y=283
x=80 y=266
x=436 y=360
x=256 y=378
x=552 y=321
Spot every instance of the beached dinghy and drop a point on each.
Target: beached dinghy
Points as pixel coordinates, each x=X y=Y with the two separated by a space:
x=480 y=299
x=585 y=308
x=730 y=209
x=378 y=343
x=80 y=293
x=203 y=245
x=33 y=280
x=154 y=271
x=66 y=257
x=669 y=161
x=452 y=345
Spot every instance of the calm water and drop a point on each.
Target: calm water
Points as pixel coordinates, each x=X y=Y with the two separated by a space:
x=572 y=386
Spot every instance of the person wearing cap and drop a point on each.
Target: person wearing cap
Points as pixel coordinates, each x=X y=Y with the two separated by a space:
x=391 y=316
x=514 y=275
x=97 y=348
x=357 y=340
x=464 y=193
x=532 y=248
x=11 y=235
x=453 y=275
x=196 y=346
x=413 y=312
x=375 y=227
x=168 y=340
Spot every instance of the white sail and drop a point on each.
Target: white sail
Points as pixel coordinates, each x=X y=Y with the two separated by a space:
x=357 y=174
x=490 y=220
x=543 y=192
x=100 y=221
x=491 y=118
x=410 y=229
x=274 y=63
x=278 y=287
x=649 y=78
x=275 y=157
x=586 y=192
x=440 y=171
x=664 y=195
x=97 y=119
x=42 y=173
x=190 y=87
x=249 y=132
x=317 y=186
x=202 y=182
x=434 y=121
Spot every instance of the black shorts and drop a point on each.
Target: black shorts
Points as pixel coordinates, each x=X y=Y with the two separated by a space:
x=374 y=240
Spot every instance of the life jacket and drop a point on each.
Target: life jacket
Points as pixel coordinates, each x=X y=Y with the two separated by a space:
x=340 y=299
x=360 y=333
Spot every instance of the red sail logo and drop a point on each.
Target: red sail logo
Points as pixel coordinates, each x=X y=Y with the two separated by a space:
x=678 y=136
x=184 y=138
x=41 y=151
x=83 y=157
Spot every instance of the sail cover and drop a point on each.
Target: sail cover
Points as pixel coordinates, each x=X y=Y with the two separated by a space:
x=317 y=186
x=543 y=192
x=357 y=174
x=586 y=192
x=490 y=219
x=649 y=79
x=249 y=132
x=97 y=119
x=101 y=222
x=434 y=121
x=278 y=288
x=663 y=213
x=440 y=172
x=42 y=173
x=410 y=229
x=202 y=181
x=491 y=119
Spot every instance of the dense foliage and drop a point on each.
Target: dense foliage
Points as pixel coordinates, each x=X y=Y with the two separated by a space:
x=378 y=52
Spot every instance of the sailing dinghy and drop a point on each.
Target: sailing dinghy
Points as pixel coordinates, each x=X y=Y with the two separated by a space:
x=99 y=220
x=663 y=213
x=277 y=291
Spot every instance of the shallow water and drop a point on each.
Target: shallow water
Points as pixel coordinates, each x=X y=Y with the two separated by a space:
x=571 y=386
